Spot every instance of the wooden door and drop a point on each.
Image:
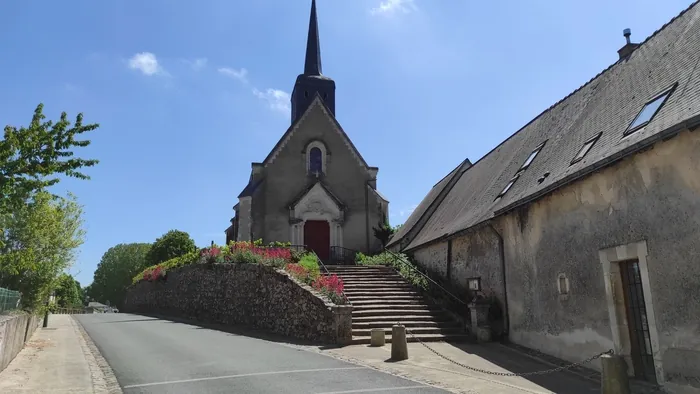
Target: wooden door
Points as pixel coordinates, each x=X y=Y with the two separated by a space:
x=317 y=237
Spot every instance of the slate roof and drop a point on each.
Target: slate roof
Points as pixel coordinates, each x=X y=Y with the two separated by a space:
x=607 y=104
x=429 y=199
x=250 y=188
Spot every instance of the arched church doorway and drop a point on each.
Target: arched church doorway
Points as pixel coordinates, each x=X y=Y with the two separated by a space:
x=317 y=237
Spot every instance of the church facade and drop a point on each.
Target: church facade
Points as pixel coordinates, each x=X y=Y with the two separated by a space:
x=314 y=188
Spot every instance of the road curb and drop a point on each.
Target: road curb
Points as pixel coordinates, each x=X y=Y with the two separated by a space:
x=103 y=379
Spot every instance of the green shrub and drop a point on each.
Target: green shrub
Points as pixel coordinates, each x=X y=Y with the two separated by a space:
x=310 y=263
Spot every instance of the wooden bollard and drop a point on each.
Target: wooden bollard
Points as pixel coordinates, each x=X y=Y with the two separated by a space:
x=614 y=378
x=378 y=337
x=399 y=347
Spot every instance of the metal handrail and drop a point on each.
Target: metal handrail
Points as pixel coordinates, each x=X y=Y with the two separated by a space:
x=320 y=262
x=398 y=258
x=343 y=254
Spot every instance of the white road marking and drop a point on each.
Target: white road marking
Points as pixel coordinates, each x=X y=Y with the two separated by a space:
x=377 y=390
x=241 y=376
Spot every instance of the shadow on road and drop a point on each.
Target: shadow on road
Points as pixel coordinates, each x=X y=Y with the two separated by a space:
x=514 y=361
x=235 y=330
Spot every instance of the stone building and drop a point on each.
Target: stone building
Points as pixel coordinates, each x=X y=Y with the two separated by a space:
x=585 y=223
x=314 y=188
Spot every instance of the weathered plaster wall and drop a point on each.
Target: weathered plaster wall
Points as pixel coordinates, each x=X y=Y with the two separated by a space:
x=477 y=254
x=653 y=196
x=243 y=294
x=15 y=331
x=433 y=258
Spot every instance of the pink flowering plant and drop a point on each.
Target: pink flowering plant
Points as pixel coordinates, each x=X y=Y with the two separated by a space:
x=330 y=286
x=248 y=253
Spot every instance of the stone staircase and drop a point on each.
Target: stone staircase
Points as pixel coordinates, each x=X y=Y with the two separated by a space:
x=381 y=298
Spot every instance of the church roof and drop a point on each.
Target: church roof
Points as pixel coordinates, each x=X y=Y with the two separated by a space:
x=250 y=188
x=427 y=202
x=603 y=108
x=337 y=128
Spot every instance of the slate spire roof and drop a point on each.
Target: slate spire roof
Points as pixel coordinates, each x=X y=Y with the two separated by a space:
x=602 y=109
x=312 y=65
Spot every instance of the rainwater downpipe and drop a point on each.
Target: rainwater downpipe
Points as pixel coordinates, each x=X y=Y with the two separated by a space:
x=501 y=250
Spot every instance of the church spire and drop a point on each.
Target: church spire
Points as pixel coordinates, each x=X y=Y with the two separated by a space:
x=312 y=66
x=312 y=83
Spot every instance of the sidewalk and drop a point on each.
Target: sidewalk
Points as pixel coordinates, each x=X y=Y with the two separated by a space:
x=427 y=367
x=57 y=359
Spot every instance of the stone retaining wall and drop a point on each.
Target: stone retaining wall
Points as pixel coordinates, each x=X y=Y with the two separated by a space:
x=243 y=294
x=15 y=330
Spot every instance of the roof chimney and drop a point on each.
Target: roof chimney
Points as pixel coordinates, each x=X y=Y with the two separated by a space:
x=629 y=47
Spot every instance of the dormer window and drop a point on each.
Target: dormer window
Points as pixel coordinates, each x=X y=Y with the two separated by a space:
x=316 y=158
x=650 y=109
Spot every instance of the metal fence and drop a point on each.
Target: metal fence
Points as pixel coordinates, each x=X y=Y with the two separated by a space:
x=9 y=299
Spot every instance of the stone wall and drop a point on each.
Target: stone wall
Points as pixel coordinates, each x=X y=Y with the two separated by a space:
x=244 y=294
x=15 y=330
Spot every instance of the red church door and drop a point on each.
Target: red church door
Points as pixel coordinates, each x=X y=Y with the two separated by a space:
x=317 y=237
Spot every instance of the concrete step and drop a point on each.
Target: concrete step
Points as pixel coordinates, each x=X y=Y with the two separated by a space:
x=395 y=307
x=363 y=340
x=358 y=269
x=371 y=277
x=387 y=302
x=381 y=284
x=414 y=330
x=400 y=317
x=385 y=298
x=381 y=293
x=394 y=313
x=408 y=323
x=373 y=280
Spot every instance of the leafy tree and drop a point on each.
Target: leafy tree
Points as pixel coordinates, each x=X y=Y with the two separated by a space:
x=38 y=241
x=174 y=243
x=384 y=231
x=68 y=291
x=32 y=157
x=117 y=267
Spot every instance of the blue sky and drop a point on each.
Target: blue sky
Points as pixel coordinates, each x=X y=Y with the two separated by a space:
x=188 y=94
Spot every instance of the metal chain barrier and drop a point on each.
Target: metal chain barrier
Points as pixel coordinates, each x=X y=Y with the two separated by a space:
x=546 y=371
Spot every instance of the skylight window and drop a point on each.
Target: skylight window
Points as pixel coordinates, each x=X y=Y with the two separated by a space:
x=508 y=186
x=650 y=109
x=585 y=148
x=531 y=158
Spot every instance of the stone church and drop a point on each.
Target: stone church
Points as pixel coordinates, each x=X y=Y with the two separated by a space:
x=314 y=188
x=585 y=223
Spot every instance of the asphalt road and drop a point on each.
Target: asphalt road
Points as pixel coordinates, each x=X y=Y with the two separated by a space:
x=158 y=356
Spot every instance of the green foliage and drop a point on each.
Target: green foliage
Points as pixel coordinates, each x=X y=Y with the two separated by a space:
x=38 y=242
x=32 y=156
x=115 y=270
x=383 y=232
x=276 y=254
x=68 y=292
x=400 y=262
x=310 y=263
x=174 y=243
